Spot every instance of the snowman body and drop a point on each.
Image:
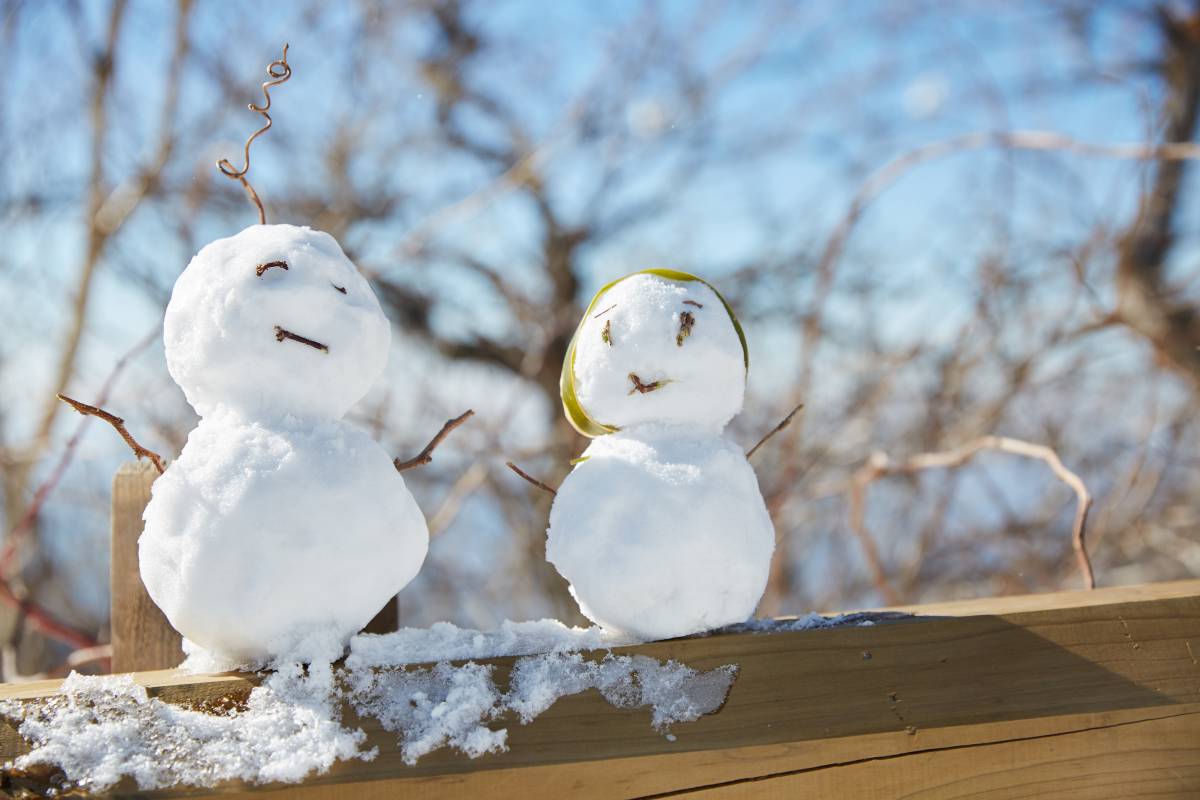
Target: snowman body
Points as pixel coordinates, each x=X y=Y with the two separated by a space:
x=279 y=523
x=660 y=528
x=680 y=543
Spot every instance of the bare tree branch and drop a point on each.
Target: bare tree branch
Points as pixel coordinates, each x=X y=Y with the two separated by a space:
x=879 y=466
x=782 y=424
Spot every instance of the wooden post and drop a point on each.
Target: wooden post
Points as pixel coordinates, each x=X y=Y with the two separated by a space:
x=142 y=639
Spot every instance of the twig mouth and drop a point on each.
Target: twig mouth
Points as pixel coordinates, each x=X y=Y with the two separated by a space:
x=646 y=388
x=283 y=333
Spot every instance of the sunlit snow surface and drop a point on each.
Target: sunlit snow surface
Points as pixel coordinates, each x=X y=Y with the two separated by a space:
x=97 y=730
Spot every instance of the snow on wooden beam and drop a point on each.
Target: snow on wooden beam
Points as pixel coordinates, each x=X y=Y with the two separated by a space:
x=1095 y=694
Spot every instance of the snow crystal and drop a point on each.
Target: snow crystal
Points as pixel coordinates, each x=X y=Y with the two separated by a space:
x=100 y=729
x=673 y=691
x=446 y=642
x=813 y=620
x=445 y=705
x=687 y=549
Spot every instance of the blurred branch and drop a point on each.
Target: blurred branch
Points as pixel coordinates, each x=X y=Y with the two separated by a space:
x=103 y=66
x=893 y=170
x=1144 y=302
x=879 y=465
x=43 y=491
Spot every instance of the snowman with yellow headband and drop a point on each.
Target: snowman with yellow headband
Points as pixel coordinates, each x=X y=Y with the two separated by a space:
x=660 y=528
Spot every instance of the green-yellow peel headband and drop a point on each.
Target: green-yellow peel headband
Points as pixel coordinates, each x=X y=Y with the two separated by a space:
x=576 y=414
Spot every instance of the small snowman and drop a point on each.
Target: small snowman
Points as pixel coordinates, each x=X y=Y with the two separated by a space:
x=280 y=530
x=660 y=528
x=279 y=521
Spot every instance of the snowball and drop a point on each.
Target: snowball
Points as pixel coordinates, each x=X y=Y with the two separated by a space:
x=662 y=532
x=222 y=326
x=676 y=334
x=262 y=535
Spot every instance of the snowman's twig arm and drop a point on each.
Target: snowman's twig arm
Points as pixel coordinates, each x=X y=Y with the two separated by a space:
x=783 y=424
x=529 y=477
x=425 y=456
x=119 y=425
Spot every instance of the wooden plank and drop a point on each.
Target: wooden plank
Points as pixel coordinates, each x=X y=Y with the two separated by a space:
x=1148 y=758
x=142 y=639
x=814 y=700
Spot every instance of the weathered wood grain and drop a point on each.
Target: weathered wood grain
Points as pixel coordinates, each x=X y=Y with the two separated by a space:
x=142 y=639
x=991 y=705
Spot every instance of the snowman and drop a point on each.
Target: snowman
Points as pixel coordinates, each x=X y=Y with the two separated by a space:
x=660 y=528
x=279 y=524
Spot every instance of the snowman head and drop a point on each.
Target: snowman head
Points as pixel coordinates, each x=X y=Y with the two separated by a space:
x=275 y=320
x=655 y=346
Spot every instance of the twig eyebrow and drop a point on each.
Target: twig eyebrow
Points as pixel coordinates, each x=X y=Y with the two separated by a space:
x=693 y=303
x=341 y=289
x=600 y=314
x=261 y=268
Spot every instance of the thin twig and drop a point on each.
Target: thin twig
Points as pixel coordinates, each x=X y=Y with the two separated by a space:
x=426 y=455
x=879 y=466
x=278 y=72
x=261 y=268
x=530 y=478
x=687 y=321
x=645 y=388
x=782 y=424
x=119 y=425
x=283 y=333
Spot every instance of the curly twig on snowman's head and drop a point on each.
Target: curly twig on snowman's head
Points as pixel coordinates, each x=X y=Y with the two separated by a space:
x=278 y=71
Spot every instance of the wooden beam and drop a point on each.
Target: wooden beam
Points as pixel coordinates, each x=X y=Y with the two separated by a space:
x=1100 y=699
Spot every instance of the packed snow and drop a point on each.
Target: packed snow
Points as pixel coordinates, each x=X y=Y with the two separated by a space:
x=220 y=326
x=273 y=334
x=660 y=528
x=687 y=549
x=98 y=730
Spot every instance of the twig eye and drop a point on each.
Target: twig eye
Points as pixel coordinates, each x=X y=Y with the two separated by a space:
x=341 y=289
x=261 y=268
x=686 y=322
